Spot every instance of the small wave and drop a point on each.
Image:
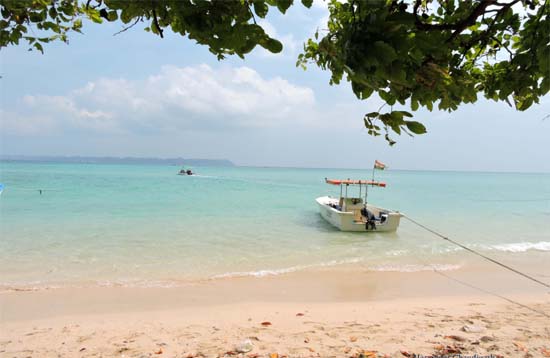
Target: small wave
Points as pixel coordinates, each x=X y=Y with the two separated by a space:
x=92 y=284
x=27 y=287
x=396 y=252
x=142 y=283
x=205 y=176
x=259 y=273
x=168 y=283
x=523 y=246
x=512 y=200
x=275 y=272
x=415 y=268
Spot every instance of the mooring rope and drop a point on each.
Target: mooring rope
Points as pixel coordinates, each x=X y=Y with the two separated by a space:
x=476 y=287
x=477 y=253
x=483 y=290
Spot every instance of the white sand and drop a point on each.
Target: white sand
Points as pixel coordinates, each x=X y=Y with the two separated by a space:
x=315 y=314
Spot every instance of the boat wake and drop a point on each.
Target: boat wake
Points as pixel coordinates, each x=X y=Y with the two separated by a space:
x=205 y=176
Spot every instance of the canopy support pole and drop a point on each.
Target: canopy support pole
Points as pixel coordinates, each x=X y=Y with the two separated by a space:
x=345 y=199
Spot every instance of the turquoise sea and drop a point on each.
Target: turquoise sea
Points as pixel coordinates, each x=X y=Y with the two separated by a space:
x=143 y=225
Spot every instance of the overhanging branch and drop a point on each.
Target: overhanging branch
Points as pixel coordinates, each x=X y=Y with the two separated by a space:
x=156 y=22
x=463 y=24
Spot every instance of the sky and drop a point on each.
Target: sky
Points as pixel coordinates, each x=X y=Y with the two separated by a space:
x=137 y=95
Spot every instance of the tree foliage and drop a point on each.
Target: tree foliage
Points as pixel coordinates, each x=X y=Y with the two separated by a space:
x=415 y=53
x=53 y=20
x=442 y=53
x=227 y=27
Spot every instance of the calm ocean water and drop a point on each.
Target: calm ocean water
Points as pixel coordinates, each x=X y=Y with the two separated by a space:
x=145 y=225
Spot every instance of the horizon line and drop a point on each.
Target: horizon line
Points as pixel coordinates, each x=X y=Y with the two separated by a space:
x=51 y=159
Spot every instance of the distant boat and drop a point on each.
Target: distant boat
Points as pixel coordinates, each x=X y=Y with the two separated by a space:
x=352 y=213
x=1 y=188
x=184 y=171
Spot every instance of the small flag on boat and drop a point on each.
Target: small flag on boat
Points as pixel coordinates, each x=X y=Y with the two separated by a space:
x=379 y=165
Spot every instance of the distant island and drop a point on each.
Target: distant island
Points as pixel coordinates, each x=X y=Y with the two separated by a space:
x=118 y=160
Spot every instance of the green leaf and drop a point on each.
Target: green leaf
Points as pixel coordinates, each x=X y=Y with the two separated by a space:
x=39 y=47
x=94 y=16
x=396 y=117
x=387 y=96
x=112 y=16
x=272 y=45
x=416 y=127
x=545 y=86
x=283 y=5
x=133 y=10
x=384 y=51
x=261 y=8
x=247 y=47
x=77 y=25
x=53 y=13
x=307 y=3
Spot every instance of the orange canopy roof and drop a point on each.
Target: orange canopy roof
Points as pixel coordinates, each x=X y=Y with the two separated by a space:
x=355 y=182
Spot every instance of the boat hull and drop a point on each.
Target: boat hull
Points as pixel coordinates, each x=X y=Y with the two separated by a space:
x=352 y=220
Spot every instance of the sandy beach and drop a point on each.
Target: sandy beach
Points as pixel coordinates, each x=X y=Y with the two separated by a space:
x=274 y=179
x=325 y=313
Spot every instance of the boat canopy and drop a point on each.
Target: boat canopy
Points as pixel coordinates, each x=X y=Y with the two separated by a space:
x=355 y=182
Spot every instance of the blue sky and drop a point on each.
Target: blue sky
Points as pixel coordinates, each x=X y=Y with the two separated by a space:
x=135 y=94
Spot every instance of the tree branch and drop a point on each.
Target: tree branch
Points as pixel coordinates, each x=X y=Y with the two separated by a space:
x=99 y=2
x=463 y=24
x=252 y=14
x=129 y=27
x=504 y=47
x=487 y=35
x=156 y=22
x=417 y=4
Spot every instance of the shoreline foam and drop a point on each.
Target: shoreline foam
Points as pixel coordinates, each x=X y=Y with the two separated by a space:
x=531 y=261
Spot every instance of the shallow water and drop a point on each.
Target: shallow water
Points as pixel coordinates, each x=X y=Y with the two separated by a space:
x=145 y=225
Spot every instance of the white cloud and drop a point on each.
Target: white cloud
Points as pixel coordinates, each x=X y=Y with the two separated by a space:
x=176 y=98
x=15 y=123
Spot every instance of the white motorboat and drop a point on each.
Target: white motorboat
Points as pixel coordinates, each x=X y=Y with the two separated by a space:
x=352 y=213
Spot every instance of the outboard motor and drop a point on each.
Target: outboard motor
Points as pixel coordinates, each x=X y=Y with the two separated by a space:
x=370 y=223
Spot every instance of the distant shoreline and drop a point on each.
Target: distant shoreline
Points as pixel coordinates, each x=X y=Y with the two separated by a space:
x=117 y=160
x=178 y=161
